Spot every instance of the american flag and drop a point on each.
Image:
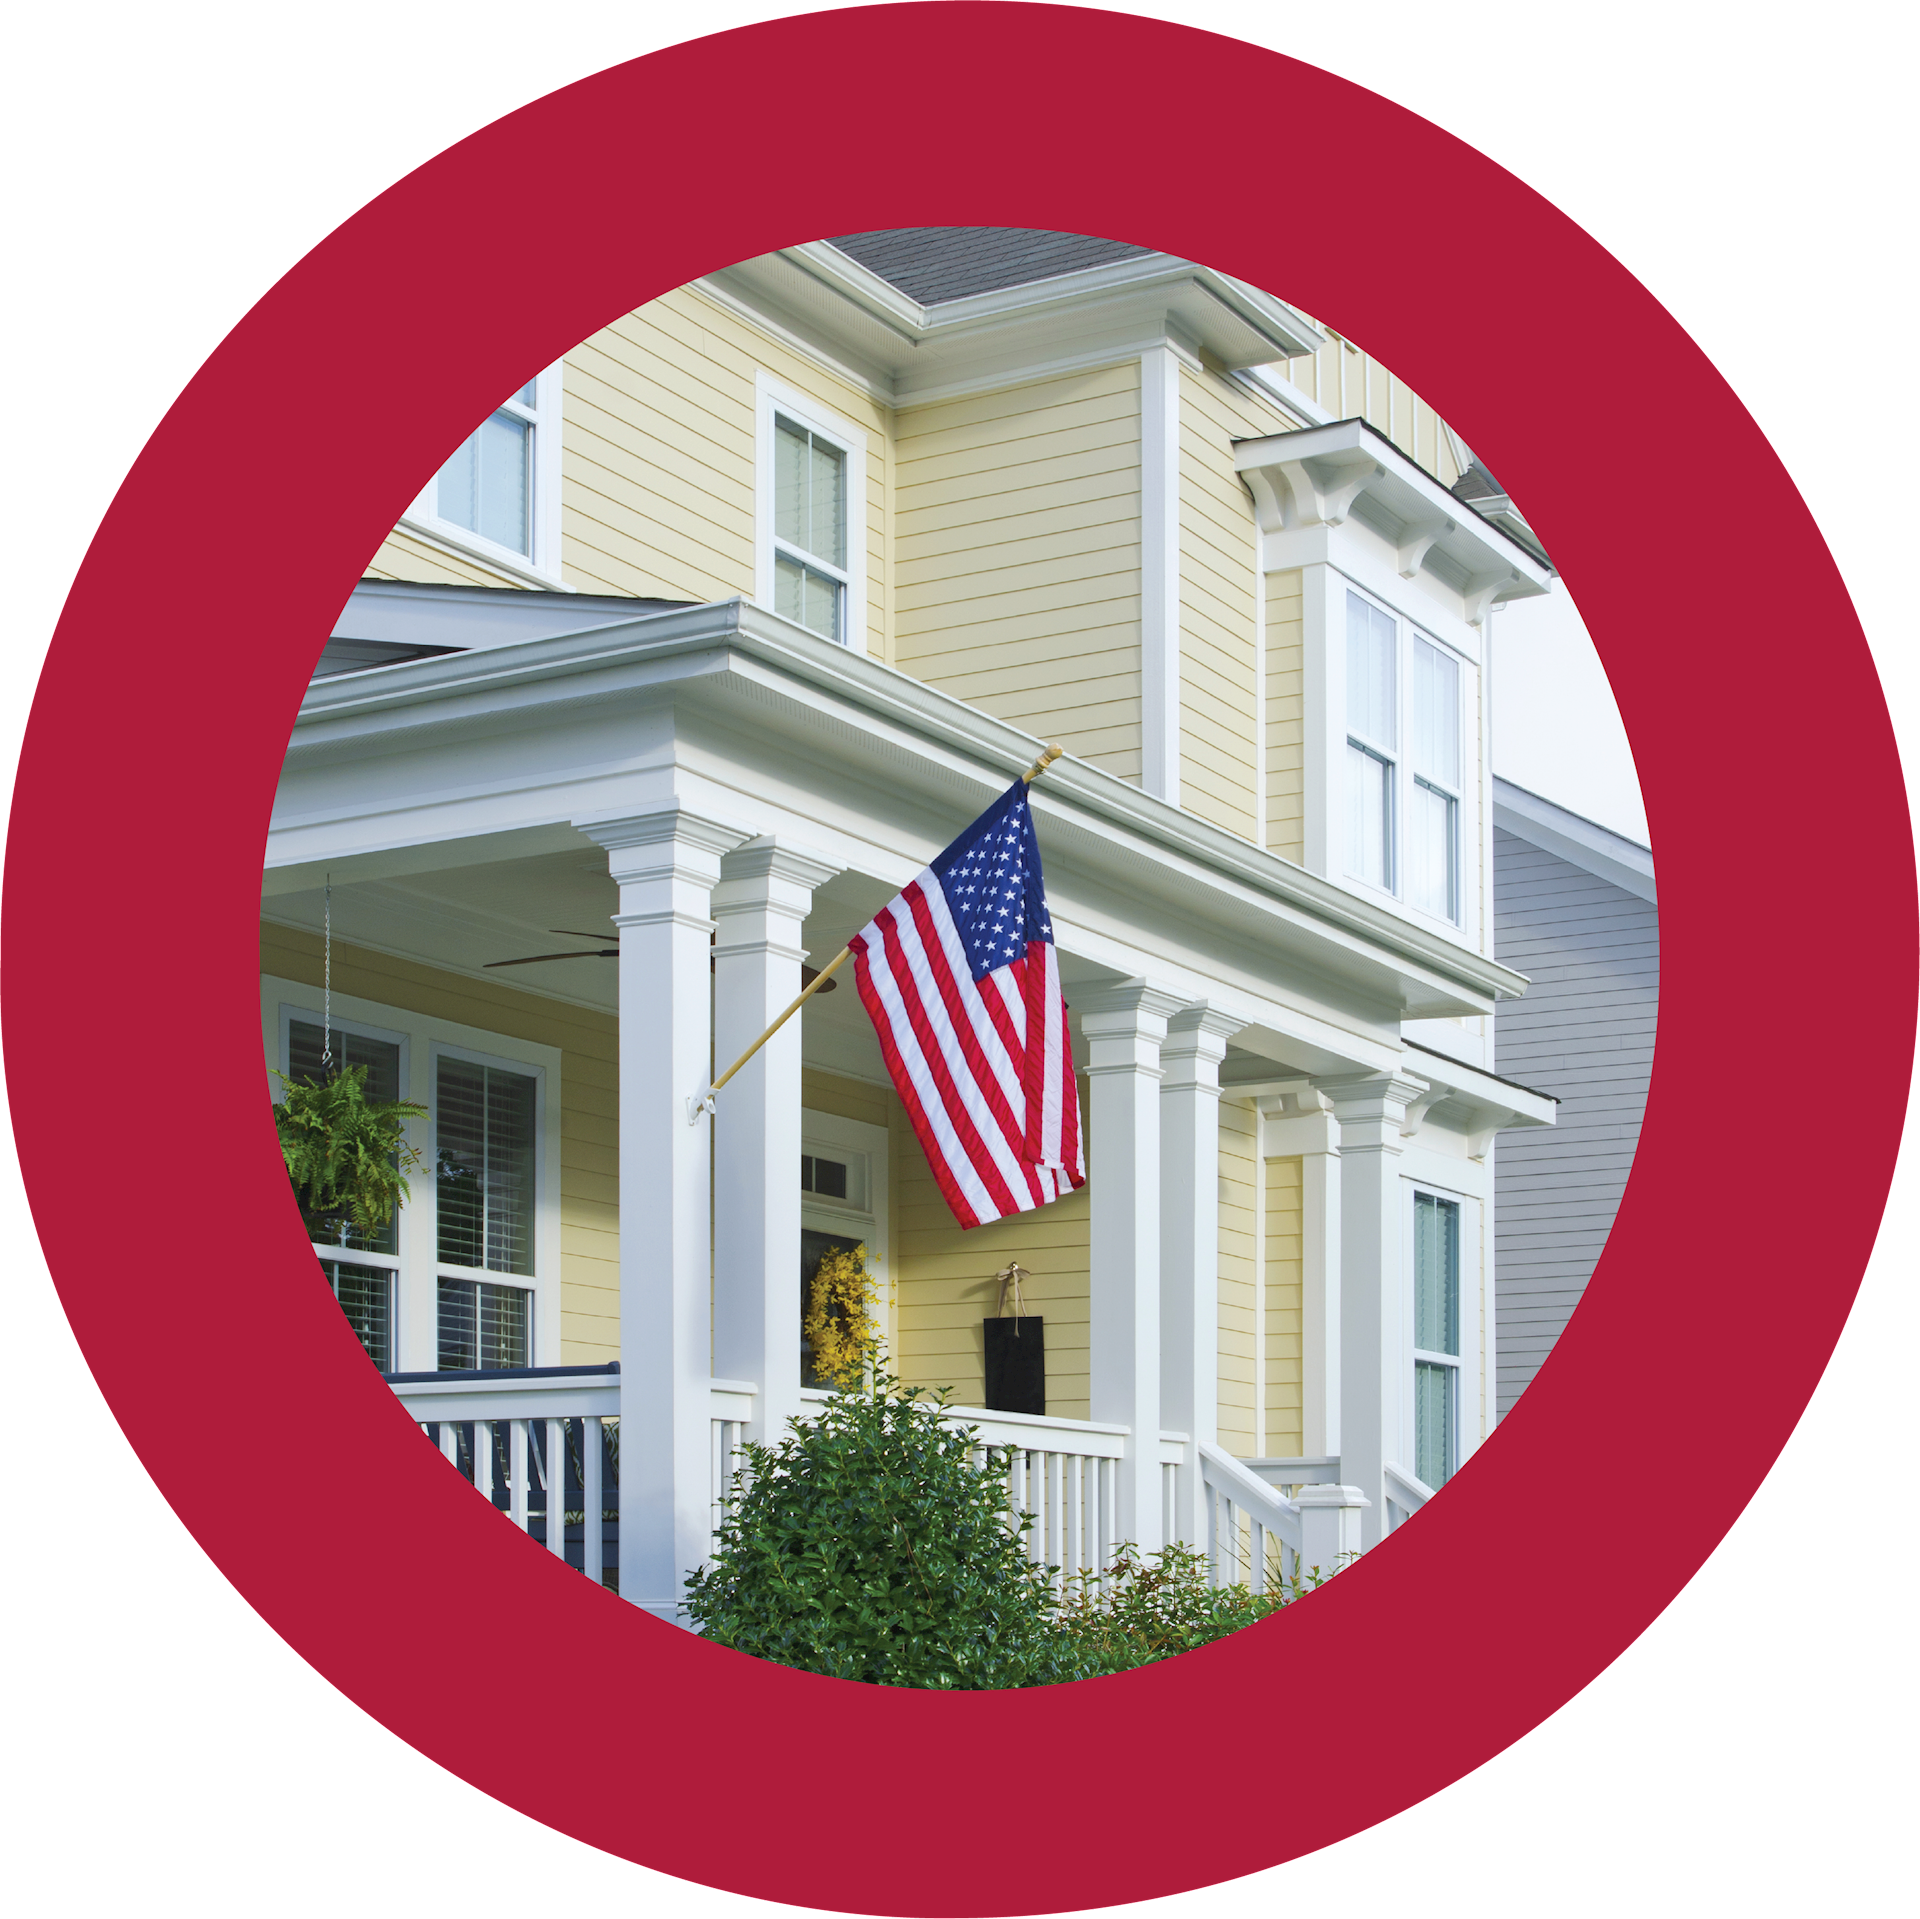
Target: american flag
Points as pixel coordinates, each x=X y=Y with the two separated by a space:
x=962 y=982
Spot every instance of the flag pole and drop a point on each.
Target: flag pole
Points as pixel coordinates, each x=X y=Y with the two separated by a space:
x=703 y=1102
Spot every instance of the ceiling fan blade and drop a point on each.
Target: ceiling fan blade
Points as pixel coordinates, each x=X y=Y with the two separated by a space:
x=533 y=959
x=574 y=933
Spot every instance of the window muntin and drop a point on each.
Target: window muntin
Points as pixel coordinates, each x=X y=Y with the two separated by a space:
x=809 y=528
x=1436 y=1337
x=1403 y=794
x=485 y=1157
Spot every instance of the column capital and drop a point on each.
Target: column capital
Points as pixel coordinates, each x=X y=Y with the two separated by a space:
x=769 y=858
x=1195 y=1044
x=1130 y=1006
x=1373 y=1111
x=661 y=840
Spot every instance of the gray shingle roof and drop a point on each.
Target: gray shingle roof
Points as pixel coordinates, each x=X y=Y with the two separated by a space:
x=932 y=264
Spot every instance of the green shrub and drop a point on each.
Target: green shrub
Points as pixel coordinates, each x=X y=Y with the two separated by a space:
x=868 y=1545
x=1151 y=1606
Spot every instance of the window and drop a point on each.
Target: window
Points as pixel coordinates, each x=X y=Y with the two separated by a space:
x=498 y=496
x=1403 y=793
x=1436 y=1337
x=1433 y=823
x=360 y=1269
x=811 y=514
x=484 y=1158
x=809 y=528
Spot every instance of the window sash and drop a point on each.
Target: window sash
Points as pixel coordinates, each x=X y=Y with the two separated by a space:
x=1370 y=809
x=807 y=595
x=810 y=495
x=364 y=1292
x=483 y=1327
x=486 y=1149
x=1433 y=852
x=1436 y=1418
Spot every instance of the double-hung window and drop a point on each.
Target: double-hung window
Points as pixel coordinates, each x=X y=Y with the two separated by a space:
x=810 y=513
x=809 y=528
x=1436 y=1337
x=1404 y=761
x=498 y=496
x=361 y=1268
x=484 y=1192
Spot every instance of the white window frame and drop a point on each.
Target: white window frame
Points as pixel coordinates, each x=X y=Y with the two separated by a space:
x=541 y=567
x=773 y=399
x=423 y=1038
x=1465 y=1364
x=1403 y=778
x=853 y=1139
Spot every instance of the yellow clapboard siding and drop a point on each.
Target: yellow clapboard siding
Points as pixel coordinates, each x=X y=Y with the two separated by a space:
x=1283 y=1287
x=589 y=1052
x=1286 y=717
x=403 y=557
x=1239 y=1270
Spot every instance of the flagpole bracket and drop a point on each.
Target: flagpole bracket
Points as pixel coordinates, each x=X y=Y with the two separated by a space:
x=698 y=1103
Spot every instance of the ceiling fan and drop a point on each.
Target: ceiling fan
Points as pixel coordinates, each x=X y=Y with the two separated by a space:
x=808 y=974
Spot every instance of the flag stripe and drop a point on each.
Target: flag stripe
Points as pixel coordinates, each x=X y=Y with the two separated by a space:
x=969 y=1201
x=961 y=979
x=961 y=1094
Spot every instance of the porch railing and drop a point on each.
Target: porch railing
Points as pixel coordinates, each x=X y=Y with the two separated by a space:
x=542 y=1443
x=1405 y=1496
x=1254 y=1534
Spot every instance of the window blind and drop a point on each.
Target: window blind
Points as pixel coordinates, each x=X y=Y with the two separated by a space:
x=483 y=1167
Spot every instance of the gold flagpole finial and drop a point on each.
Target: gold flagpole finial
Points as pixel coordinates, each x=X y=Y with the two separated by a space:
x=1049 y=753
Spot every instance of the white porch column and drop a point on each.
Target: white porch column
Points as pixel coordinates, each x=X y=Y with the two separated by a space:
x=1301 y=1125
x=1190 y=1059
x=666 y=863
x=764 y=893
x=1376 y=1340
x=1124 y=1026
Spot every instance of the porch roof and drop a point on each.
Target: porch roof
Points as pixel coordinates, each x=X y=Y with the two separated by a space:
x=749 y=716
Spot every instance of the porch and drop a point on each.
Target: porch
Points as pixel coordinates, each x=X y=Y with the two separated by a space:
x=726 y=795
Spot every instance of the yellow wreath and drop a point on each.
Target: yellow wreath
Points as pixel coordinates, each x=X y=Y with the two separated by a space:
x=840 y=1323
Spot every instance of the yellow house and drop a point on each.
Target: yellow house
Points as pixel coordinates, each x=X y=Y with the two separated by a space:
x=709 y=638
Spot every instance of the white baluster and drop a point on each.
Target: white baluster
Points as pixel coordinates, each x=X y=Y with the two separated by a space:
x=557 y=1487
x=517 y=1472
x=483 y=1458
x=1257 y=1569
x=590 y=1445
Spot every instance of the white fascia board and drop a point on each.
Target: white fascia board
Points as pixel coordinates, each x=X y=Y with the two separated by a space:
x=1580 y=842
x=1287 y=333
x=1497 y=1102
x=1314 y=478
x=692 y=651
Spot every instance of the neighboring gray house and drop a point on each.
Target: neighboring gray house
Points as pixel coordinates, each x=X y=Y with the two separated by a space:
x=1574 y=911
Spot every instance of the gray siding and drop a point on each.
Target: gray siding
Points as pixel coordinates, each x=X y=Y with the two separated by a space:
x=1583 y=1032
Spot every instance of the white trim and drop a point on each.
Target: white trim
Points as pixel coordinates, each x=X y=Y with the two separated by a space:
x=1569 y=836
x=541 y=567
x=1160 y=573
x=774 y=397
x=1279 y=388
x=422 y=1038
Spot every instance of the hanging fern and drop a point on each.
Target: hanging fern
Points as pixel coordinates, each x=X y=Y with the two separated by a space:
x=347 y=1155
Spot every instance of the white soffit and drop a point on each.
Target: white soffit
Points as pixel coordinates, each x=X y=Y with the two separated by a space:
x=903 y=349
x=1322 y=475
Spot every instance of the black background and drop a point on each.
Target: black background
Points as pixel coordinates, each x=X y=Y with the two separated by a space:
x=175 y=171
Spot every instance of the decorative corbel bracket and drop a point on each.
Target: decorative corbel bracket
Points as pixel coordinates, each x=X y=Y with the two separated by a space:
x=1294 y=493
x=1416 y=538
x=1483 y=589
x=1418 y=1109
